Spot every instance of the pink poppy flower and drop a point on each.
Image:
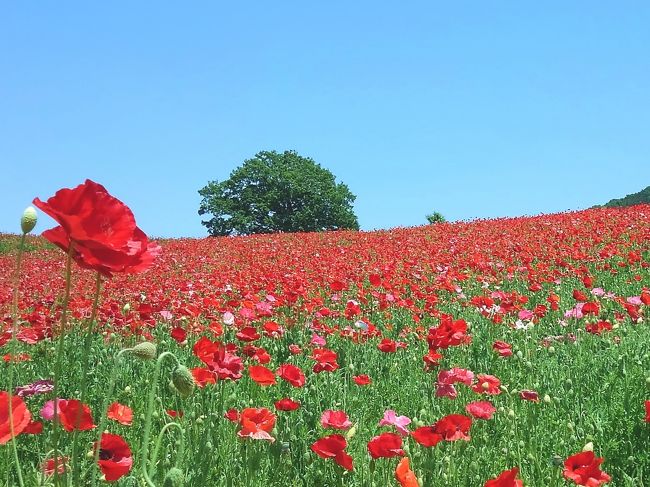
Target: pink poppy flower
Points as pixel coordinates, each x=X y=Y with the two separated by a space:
x=400 y=422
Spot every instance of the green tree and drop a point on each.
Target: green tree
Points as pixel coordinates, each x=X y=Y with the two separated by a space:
x=436 y=217
x=275 y=192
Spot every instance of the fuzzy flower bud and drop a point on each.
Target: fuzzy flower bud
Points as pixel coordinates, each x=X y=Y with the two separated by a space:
x=28 y=220
x=174 y=478
x=144 y=351
x=183 y=380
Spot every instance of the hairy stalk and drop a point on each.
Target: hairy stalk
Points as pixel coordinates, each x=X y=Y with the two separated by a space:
x=102 y=418
x=147 y=423
x=12 y=358
x=59 y=361
x=156 y=450
x=90 y=328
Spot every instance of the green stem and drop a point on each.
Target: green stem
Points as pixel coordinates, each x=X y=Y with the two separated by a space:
x=103 y=418
x=147 y=423
x=12 y=349
x=59 y=361
x=84 y=377
x=156 y=450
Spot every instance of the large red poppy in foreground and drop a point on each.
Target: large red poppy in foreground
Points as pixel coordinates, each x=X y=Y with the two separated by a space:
x=115 y=459
x=20 y=416
x=100 y=228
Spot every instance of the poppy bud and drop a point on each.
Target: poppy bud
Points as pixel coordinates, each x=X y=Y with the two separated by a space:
x=183 y=380
x=588 y=447
x=144 y=351
x=28 y=220
x=174 y=478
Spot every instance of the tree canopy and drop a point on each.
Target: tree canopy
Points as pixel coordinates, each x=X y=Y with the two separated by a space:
x=275 y=192
x=436 y=217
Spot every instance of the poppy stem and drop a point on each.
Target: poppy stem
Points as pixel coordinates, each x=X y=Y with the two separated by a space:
x=144 y=457
x=181 y=447
x=59 y=362
x=12 y=357
x=84 y=378
x=102 y=417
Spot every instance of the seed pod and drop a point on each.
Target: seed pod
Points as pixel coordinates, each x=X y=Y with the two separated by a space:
x=28 y=220
x=144 y=351
x=183 y=380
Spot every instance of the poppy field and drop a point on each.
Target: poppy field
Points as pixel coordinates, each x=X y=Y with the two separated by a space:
x=492 y=353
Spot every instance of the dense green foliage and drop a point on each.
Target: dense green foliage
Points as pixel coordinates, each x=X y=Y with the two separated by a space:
x=639 y=198
x=275 y=192
x=436 y=217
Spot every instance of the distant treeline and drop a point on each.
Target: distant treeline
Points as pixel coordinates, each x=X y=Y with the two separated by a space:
x=639 y=198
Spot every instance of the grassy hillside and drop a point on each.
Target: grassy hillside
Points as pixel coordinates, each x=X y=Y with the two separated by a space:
x=641 y=197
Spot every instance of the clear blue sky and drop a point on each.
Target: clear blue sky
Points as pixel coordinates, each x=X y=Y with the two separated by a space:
x=474 y=109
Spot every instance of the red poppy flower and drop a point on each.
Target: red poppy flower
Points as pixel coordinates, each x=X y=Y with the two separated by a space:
x=120 y=413
x=101 y=228
x=583 y=469
x=105 y=254
x=232 y=415
x=507 y=478
x=481 y=409
x=431 y=359
x=326 y=360
x=502 y=348
x=292 y=374
x=598 y=328
x=178 y=334
x=450 y=428
x=87 y=210
x=337 y=286
x=647 y=411
x=286 y=404
x=375 y=279
x=361 y=380
x=385 y=445
x=579 y=296
x=335 y=419
x=115 y=459
x=426 y=436
x=487 y=384
x=261 y=375
x=333 y=446
x=449 y=333
x=645 y=298
x=256 y=423
x=529 y=396
x=404 y=475
x=258 y=354
x=20 y=416
x=203 y=376
x=72 y=413
x=387 y=345
x=453 y=427
x=33 y=428
x=248 y=334
x=272 y=329
x=224 y=364
x=590 y=308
